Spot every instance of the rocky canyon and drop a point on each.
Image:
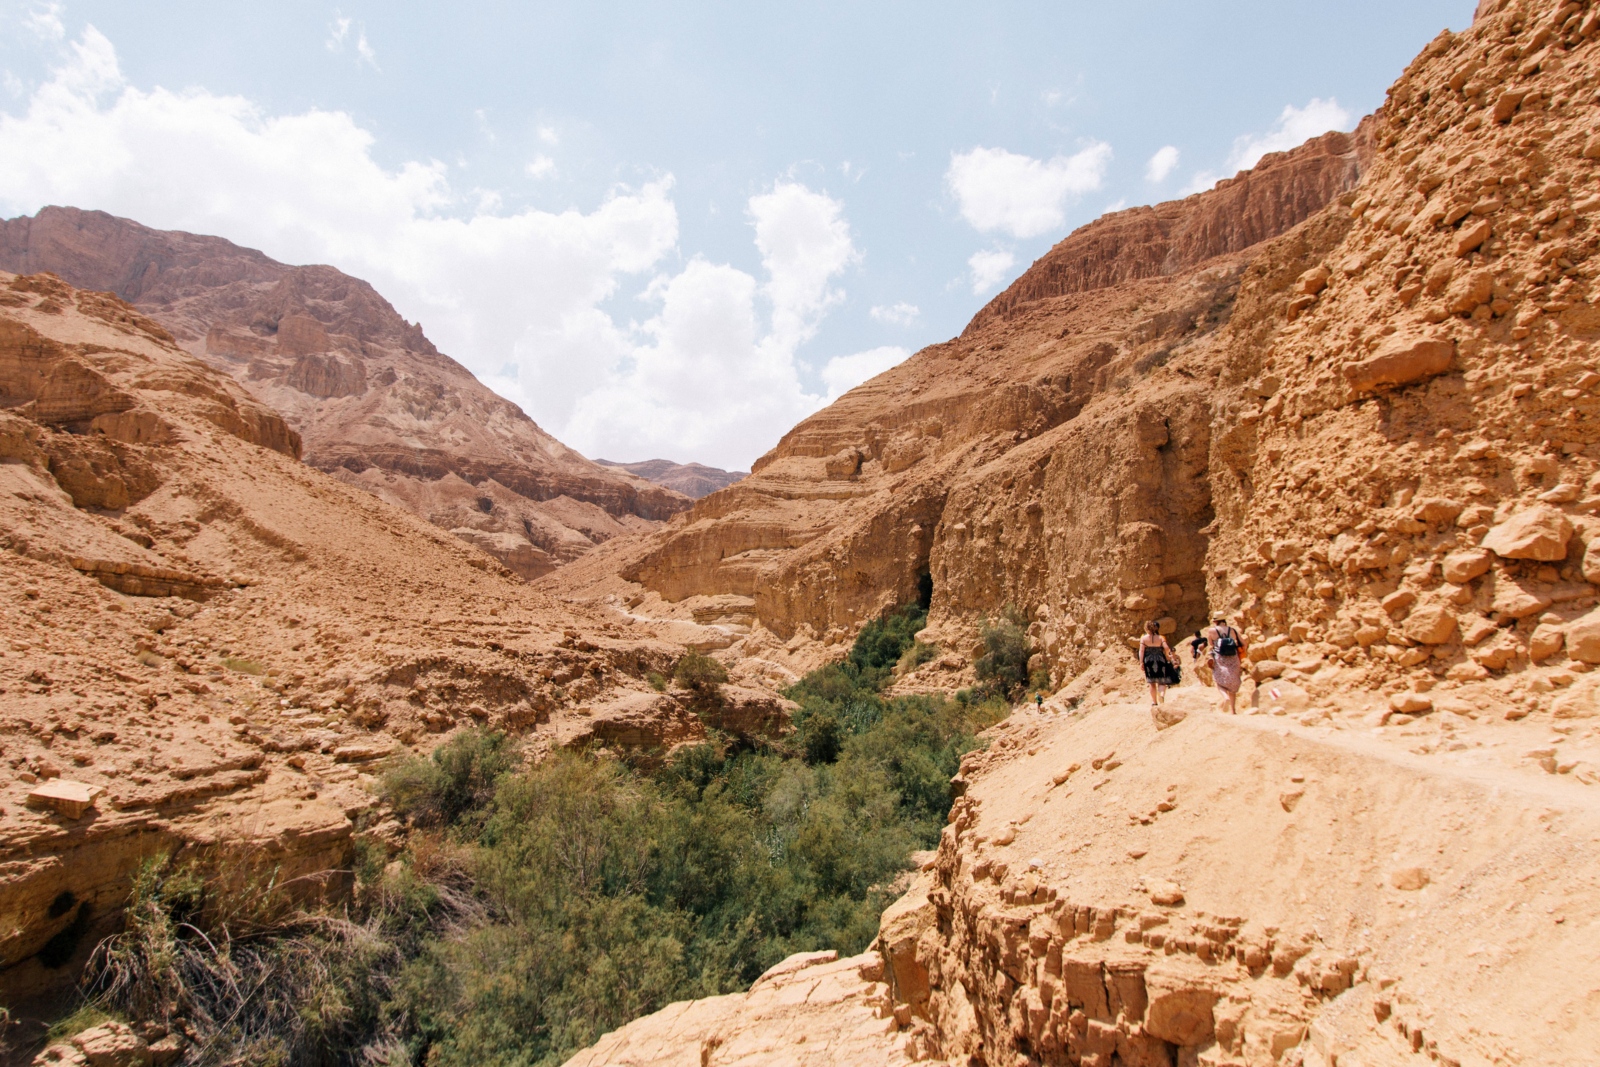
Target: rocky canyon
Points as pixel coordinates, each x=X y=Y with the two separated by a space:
x=374 y=402
x=1347 y=399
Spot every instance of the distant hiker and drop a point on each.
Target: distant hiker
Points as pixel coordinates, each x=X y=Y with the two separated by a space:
x=1038 y=701
x=1200 y=653
x=1227 y=646
x=1160 y=665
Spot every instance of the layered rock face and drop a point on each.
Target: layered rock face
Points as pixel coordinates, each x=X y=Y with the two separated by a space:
x=1322 y=434
x=206 y=644
x=1055 y=456
x=373 y=400
x=1371 y=440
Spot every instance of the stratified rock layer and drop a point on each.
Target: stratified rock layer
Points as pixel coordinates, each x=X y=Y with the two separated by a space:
x=373 y=400
x=1370 y=438
x=206 y=645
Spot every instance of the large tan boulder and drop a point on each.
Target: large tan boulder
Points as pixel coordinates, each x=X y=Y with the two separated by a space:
x=1540 y=533
x=1431 y=624
x=1583 y=637
x=1401 y=362
x=1461 y=567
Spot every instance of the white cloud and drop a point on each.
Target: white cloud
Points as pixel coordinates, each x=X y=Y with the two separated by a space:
x=541 y=167
x=713 y=374
x=901 y=314
x=989 y=269
x=1163 y=163
x=45 y=21
x=1202 y=180
x=1023 y=196
x=709 y=380
x=339 y=33
x=844 y=373
x=338 y=30
x=1295 y=126
x=549 y=136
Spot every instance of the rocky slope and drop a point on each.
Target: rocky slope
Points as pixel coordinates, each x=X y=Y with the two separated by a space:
x=374 y=402
x=206 y=644
x=1371 y=438
x=693 y=480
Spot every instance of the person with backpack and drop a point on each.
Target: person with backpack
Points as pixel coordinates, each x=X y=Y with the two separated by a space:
x=1200 y=653
x=1160 y=665
x=1228 y=647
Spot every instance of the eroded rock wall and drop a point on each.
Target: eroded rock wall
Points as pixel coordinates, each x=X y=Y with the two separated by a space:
x=373 y=400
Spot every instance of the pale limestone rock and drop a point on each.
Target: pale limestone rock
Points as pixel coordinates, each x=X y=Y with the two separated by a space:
x=1461 y=567
x=1538 y=532
x=1583 y=638
x=1432 y=624
x=1401 y=362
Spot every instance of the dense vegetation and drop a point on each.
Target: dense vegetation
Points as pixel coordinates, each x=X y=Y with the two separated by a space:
x=537 y=906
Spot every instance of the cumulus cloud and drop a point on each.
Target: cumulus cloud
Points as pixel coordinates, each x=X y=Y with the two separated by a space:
x=900 y=314
x=1163 y=163
x=713 y=373
x=1020 y=195
x=45 y=21
x=541 y=167
x=989 y=268
x=1295 y=126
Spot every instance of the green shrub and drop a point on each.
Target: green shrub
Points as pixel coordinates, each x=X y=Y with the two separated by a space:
x=536 y=907
x=1003 y=668
x=459 y=777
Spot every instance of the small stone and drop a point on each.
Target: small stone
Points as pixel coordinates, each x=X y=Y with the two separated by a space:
x=1583 y=638
x=1167 y=894
x=1472 y=236
x=72 y=799
x=1410 y=703
x=1409 y=879
x=1432 y=624
x=1461 y=567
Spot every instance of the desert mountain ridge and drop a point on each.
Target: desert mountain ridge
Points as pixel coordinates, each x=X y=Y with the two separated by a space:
x=375 y=403
x=693 y=480
x=1349 y=399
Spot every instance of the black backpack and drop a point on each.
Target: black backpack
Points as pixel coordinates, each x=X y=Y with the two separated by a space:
x=1227 y=642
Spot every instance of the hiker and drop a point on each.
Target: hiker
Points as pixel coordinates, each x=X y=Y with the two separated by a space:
x=1228 y=646
x=1160 y=665
x=1200 y=653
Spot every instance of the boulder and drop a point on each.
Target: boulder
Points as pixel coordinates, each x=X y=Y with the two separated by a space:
x=1539 y=532
x=1181 y=1002
x=1401 y=362
x=1461 y=567
x=1472 y=236
x=1432 y=624
x=1512 y=600
x=1546 y=641
x=1583 y=637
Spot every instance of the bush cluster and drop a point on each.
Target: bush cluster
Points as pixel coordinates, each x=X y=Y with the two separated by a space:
x=538 y=906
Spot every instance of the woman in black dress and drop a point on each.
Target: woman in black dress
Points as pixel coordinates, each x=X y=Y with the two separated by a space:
x=1160 y=665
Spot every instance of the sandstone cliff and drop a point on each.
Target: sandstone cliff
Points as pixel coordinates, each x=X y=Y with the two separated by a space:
x=205 y=643
x=1366 y=430
x=374 y=402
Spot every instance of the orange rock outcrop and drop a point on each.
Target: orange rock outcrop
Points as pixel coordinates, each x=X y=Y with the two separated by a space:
x=373 y=400
x=1363 y=425
x=207 y=644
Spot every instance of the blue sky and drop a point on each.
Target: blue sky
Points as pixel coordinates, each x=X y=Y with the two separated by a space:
x=671 y=229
